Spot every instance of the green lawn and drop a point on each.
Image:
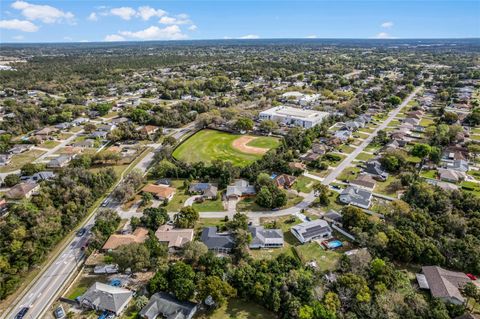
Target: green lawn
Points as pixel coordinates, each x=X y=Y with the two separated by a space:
x=394 y=123
x=179 y=198
x=426 y=122
x=239 y=309
x=366 y=129
x=360 y=135
x=346 y=148
x=19 y=160
x=208 y=145
x=82 y=285
x=364 y=156
x=471 y=187
x=432 y=174
x=326 y=259
x=208 y=222
x=248 y=204
x=304 y=184
x=475 y=137
x=210 y=205
x=349 y=174
x=265 y=142
x=49 y=144
x=384 y=187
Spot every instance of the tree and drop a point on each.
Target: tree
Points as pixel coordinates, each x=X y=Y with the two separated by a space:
x=394 y=100
x=135 y=256
x=11 y=180
x=474 y=149
x=186 y=217
x=30 y=168
x=141 y=302
x=421 y=150
x=216 y=288
x=450 y=118
x=264 y=197
x=243 y=124
x=153 y=218
x=146 y=198
x=192 y=251
x=181 y=280
x=239 y=221
x=268 y=126
x=102 y=108
x=323 y=192
x=471 y=291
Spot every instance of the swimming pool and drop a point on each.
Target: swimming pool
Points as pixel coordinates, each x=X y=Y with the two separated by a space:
x=334 y=244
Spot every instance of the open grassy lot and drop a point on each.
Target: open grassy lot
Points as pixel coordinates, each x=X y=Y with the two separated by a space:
x=360 y=135
x=239 y=309
x=385 y=188
x=49 y=144
x=81 y=285
x=248 y=204
x=326 y=259
x=208 y=145
x=19 y=160
x=432 y=174
x=346 y=149
x=471 y=187
x=364 y=156
x=304 y=184
x=426 y=122
x=349 y=174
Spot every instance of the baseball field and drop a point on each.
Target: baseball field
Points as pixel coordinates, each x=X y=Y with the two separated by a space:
x=208 y=145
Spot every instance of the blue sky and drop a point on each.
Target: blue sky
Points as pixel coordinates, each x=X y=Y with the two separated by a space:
x=84 y=20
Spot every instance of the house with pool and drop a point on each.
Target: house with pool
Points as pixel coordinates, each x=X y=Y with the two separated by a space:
x=311 y=230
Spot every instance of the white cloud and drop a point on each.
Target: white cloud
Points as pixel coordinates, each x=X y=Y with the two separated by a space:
x=67 y=38
x=126 y=13
x=172 y=32
x=193 y=27
x=18 y=37
x=250 y=36
x=21 y=25
x=147 y=12
x=180 y=19
x=387 y=24
x=114 y=37
x=312 y=36
x=383 y=35
x=44 y=13
x=93 y=16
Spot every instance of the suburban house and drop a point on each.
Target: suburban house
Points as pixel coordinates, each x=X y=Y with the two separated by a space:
x=293 y=116
x=149 y=129
x=218 y=242
x=308 y=231
x=161 y=192
x=241 y=188
x=319 y=148
x=164 y=305
x=284 y=181
x=356 y=196
x=343 y=135
x=364 y=181
x=175 y=238
x=297 y=166
x=310 y=157
x=451 y=175
x=22 y=190
x=42 y=176
x=265 y=238
x=103 y=297
x=59 y=162
x=116 y=240
x=20 y=148
x=46 y=131
x=443 y=284
x=459 y=165
x=333 y=217
x=207 y=190
x=88 y=143
x=374 y=168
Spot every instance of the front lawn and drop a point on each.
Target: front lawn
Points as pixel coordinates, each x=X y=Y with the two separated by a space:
x=304 y=184
x=364 y=156
x=432 y=174
x=210 y=205
x=346 y=149
x=49 y=144
x=18 y=160
x=349 y=174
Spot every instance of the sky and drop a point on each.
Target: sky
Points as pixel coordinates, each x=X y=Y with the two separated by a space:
x=135 y=20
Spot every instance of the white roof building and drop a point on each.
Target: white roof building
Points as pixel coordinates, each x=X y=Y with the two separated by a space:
x=293 y=116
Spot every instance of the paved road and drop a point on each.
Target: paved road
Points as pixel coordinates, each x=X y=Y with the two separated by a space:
x=348 y=160
x=49 y=283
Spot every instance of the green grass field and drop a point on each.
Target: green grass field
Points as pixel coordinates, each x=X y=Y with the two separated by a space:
x=208 y=145
x=239 y=309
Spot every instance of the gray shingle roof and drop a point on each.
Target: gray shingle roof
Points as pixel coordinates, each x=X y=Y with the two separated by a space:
x=444 y=283
x=163 y=305
x=214 y=240
x=262 y=236
x=106 y=297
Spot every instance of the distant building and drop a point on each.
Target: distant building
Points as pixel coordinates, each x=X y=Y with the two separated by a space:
x=356 y=196
x=375 y=169
x=284 y=181
x=175 y=238
x=241 y=188
x=207 y=190
x=164 y=305
x=59 y=162
x=116 y=240
x=293 y=116
x=308 y=231
x=103 y=297
x=217 y=242
x=22 y=190
x=443 y=284
x=161 y=192
x=265 y=238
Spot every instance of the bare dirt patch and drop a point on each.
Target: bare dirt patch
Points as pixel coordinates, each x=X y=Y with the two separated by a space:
x=241 y=145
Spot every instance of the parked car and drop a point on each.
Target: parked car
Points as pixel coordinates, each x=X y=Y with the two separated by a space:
x=472 y=277
x=59 y=312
